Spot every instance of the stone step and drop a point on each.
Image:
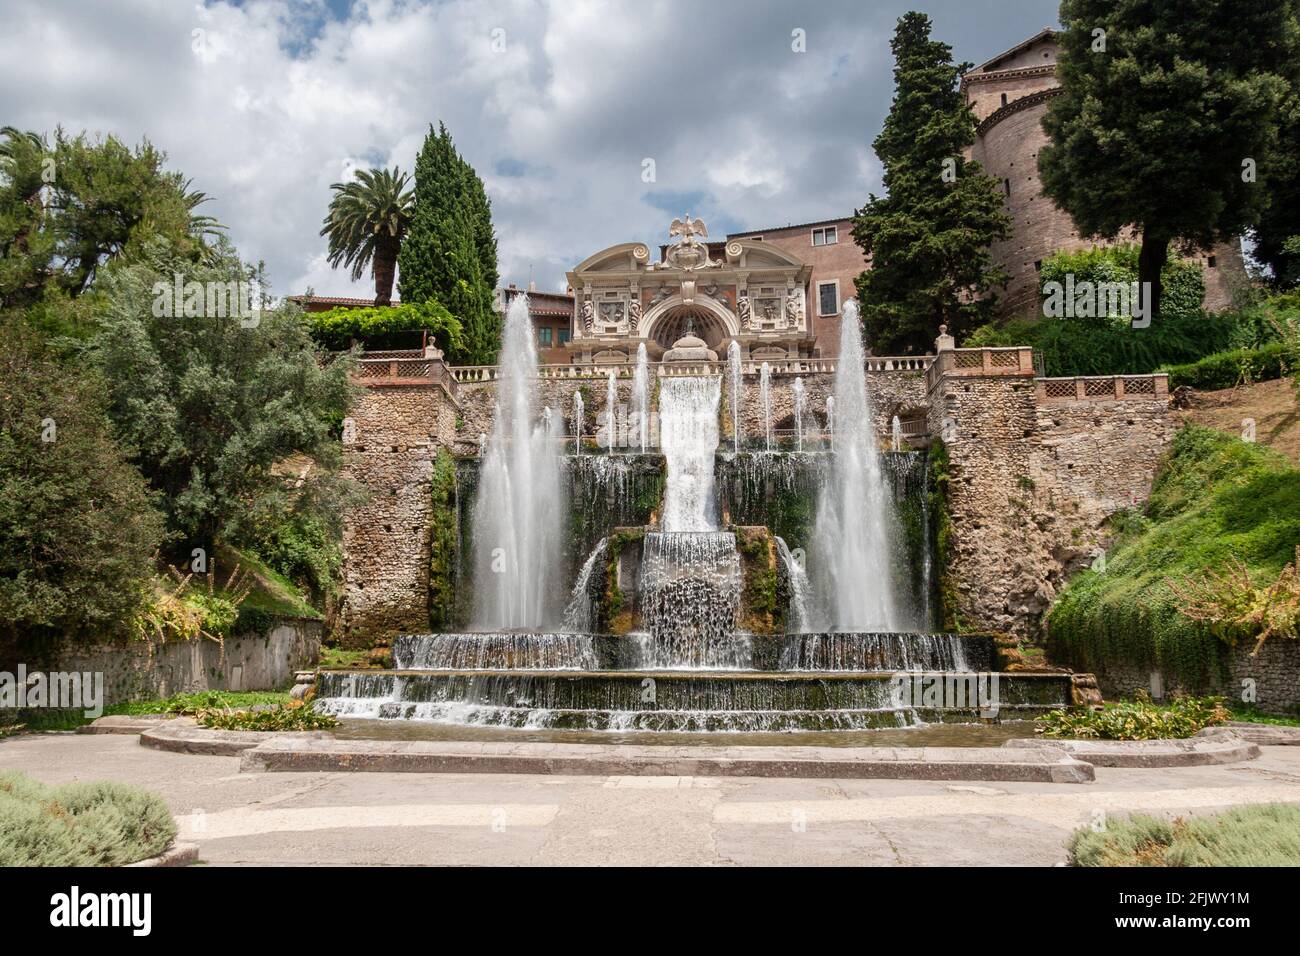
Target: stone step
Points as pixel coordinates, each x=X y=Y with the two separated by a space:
x=1034 y=764
x=1213 y=745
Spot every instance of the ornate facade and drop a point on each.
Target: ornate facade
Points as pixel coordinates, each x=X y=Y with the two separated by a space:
x=740 y=290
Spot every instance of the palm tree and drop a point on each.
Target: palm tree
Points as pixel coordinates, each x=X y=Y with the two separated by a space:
x=366 y=223
x=21 y=167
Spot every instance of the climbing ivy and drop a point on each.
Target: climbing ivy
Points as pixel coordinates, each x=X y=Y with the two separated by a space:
x=443 y=525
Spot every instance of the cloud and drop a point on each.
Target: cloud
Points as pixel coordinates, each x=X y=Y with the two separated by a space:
x=265 y=103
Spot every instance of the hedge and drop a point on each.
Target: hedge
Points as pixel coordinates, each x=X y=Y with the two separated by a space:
x=1227 y=369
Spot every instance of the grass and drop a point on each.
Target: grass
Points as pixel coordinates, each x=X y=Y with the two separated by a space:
x=1260 y=835
x=344 y=658
x=272 y=592
x=1215 y=498
x=1252 y=716
x=100 y=823
x=294 y=715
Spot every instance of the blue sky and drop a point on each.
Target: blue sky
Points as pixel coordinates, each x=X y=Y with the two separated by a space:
x=264 y=103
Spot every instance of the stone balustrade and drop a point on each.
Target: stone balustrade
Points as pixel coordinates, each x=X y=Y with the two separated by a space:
x=809 y=366
x=1011 y=360
x=1100 y=388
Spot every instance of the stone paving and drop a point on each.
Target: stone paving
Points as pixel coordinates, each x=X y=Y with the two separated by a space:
x=473 y=819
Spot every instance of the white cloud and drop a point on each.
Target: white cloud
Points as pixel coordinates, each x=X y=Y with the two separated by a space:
x=282 y=97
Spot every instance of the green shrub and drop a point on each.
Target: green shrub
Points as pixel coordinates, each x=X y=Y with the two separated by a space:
x=1214 y=498
x=388 y=327
x=1137 y=720
x=1227 y=369
x=294 y=715
x=79 y=824
x=1261 y=835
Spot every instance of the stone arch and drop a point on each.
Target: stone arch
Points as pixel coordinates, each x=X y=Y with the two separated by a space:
x=672 y=306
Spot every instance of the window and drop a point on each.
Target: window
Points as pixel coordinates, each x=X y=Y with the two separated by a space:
x=544 y=336
x=825 y=237
x=564 y=336
x=1004 y=99
x=1212 y=262
x=828 y=298
x=1006 y=186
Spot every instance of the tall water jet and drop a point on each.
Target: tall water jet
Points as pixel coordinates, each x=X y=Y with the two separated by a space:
x=830 y=420
x=517 y=516
x=641 y=396
x=799 y=399
x=737 y=386
x=797 y=622
x=688 y=435
x=611 y=412
x=896 y=435
x=765 y=397
x=852 y=536
x=578 y=412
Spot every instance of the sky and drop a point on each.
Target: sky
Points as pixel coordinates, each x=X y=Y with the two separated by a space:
x=558 y=105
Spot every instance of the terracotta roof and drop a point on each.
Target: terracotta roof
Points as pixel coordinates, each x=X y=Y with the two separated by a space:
x=335 y=300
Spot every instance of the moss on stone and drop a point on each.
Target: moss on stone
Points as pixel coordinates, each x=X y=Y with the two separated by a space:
x=941 y=522
x=762 y=612
x=443 y=538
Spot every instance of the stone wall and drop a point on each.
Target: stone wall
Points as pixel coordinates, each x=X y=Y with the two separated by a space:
x=256 y=662
x=1272 y=677
x=1032 y=482
x=397 y=431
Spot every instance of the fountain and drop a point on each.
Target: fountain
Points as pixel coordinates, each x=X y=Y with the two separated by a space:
x=517 y=517
x=641 y=396
x=853 y=536
x=765 y=398
x=799 y=401
x=611 y=412
x=692 y=608
x=578 y=412
x=896 y=435
x=733 y=363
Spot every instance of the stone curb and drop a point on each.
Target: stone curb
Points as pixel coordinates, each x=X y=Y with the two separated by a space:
x=1035 y=764
x=1214 y=745
x=124 y=724
x=178 y=854
x=1273 y=735
x=183 y=736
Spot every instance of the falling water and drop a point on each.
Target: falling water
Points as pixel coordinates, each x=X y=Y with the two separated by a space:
x=797 y=617
x=799 y=400
x=896 y=435
x=765 y=396
x=737 y=386
x=830 y=419
x=578 y=412
x=579 y=615
x=851 y=542
x=611 y=406
x=690 y=600
x=641 y=395
x=688 y=435
x=517 y=516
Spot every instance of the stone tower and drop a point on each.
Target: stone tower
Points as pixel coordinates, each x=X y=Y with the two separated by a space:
x=1010 y=94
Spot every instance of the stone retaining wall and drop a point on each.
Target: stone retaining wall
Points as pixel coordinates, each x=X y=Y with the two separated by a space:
x=256 y=662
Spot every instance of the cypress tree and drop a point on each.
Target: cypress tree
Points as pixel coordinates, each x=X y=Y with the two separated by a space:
x=449 y=254
x=928 y=238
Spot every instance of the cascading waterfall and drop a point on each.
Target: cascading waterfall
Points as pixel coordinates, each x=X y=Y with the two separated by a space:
x=690 y=600
x=517 y=517
x=688 y=435
x=799 y=400
x=611 y=412
x=578 y=412
x=579 y=615
x=641 y=396
x=765 y=397
x=852 y=536
x=737 y=386
x=797 y=617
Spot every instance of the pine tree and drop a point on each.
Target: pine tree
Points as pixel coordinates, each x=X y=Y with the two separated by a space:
x=1167 y=119
x=450 y=250
x=928 y=238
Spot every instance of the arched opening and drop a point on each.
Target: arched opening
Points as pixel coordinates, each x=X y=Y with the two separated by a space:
x=688 y=320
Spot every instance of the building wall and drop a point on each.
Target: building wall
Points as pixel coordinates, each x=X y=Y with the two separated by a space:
x=1007 y=146
x=843 y=261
